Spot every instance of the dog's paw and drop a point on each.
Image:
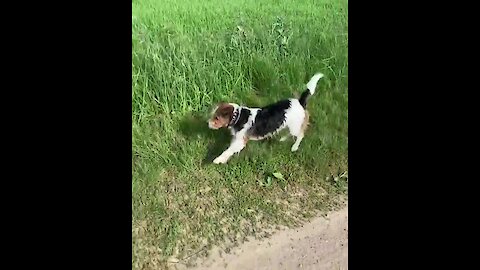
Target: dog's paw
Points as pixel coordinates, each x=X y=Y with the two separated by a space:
x=220 y=160
x=284 y=138
x=294 y=148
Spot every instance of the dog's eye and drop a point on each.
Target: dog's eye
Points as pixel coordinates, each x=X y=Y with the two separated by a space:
x=216 y=117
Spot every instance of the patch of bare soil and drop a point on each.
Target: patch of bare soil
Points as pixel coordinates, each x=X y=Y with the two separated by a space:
x=321 y=243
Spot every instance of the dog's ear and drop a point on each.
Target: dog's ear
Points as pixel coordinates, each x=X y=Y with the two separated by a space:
x=225 y=110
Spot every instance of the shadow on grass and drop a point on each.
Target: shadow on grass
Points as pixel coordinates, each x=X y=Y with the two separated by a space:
x=195 y=127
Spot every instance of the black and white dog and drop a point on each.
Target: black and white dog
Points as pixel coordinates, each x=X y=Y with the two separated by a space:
x=260 y=123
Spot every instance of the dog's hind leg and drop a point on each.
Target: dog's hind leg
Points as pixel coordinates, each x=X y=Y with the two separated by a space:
x=297 y=142
x=299 y=132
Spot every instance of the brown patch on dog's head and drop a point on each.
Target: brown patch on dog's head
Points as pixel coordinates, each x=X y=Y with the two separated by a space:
x=221 y=116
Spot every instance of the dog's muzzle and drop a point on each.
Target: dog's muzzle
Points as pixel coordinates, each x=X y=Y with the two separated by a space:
x=211 y=126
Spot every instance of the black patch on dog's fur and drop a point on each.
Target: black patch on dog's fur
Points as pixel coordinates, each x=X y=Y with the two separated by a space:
x=242 y=119
x=269 y=118
x=303 y=98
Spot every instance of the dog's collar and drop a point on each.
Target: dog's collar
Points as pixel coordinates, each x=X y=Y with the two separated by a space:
x=235 y=116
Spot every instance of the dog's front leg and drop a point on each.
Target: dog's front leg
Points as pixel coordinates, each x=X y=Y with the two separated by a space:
x=238 y=143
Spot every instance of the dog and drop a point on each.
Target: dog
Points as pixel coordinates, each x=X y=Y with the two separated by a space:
x=260 y=123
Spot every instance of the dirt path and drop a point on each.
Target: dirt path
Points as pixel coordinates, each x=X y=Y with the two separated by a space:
x=320 y=244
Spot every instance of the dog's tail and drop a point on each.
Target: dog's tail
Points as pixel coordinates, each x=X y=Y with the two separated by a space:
x=311 y=85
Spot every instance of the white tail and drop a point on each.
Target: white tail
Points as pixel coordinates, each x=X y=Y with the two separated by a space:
x=312 y=84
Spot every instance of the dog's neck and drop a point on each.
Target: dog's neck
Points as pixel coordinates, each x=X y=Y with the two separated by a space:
x=236 y=115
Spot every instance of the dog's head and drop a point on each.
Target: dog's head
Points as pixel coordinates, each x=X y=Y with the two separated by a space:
x=221 y=116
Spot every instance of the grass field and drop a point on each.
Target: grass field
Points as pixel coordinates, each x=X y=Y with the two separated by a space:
x=188 y=55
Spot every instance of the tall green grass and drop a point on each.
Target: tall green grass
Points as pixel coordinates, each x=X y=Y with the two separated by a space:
x=188 y=55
